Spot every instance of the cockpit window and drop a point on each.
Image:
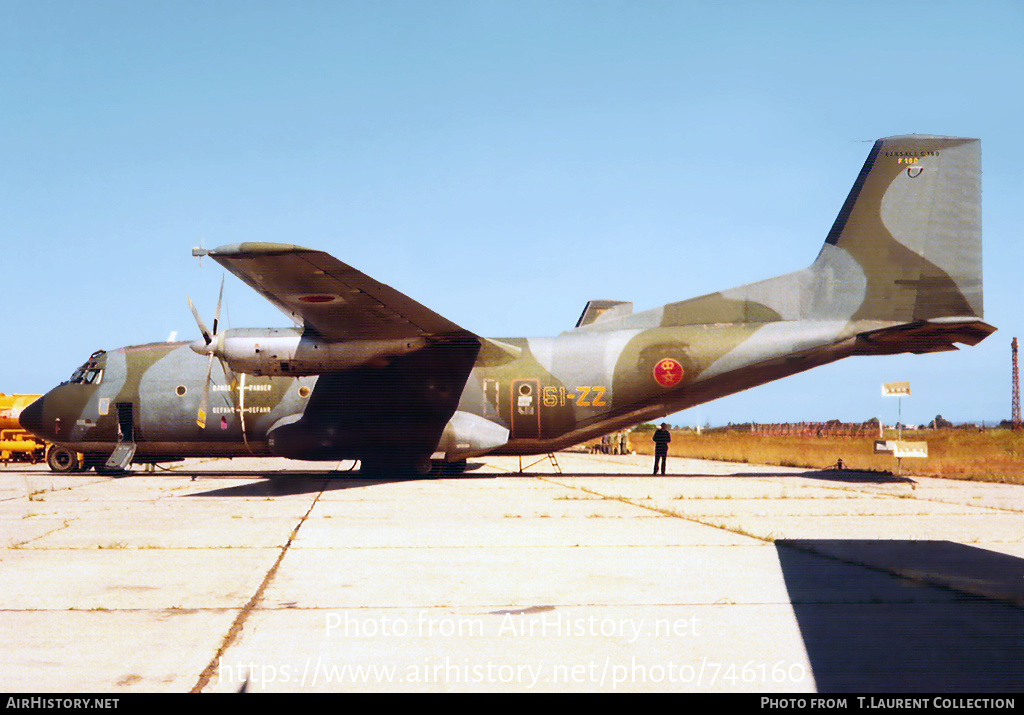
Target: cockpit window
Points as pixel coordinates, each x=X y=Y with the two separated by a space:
x=88 y=374
x=93 y=377
x=91 y=373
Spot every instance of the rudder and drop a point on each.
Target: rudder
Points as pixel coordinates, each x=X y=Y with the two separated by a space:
x=911 y=229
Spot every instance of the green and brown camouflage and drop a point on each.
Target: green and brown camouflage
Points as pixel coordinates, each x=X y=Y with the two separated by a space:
x=370 y=374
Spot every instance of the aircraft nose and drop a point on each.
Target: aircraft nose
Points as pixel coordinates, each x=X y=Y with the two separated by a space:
x=31 y=418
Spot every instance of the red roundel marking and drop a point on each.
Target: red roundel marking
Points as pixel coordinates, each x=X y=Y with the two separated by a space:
x=668 y=372
x=317 y=298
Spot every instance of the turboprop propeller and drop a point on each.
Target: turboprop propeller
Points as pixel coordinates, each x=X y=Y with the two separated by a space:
x=207 y=345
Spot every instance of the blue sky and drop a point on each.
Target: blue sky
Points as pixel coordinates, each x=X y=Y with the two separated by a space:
x=500 y=162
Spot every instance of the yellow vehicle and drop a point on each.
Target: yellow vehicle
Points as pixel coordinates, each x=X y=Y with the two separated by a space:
x=16 y=444
x=20 y=445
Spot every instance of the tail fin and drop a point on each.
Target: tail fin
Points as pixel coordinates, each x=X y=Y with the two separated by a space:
x=904 y=250
x=906 y=245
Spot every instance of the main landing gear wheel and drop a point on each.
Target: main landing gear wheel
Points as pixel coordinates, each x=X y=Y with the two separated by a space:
x=394 y=467
x=93 y=461
x=62 y=460
x=448 y=469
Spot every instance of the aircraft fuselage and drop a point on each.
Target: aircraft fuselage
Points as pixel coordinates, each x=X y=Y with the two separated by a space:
x=554 y=393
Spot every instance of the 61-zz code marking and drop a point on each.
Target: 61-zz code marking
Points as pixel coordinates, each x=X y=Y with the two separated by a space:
x=584 y=396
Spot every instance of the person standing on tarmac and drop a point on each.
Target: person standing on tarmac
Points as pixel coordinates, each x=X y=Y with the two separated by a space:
x=661 y=439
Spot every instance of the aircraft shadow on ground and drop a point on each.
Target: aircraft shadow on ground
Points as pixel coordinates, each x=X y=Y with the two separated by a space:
x=297 y=482
x=291 y=483
x=832 y=475
x=950 y=622
x=281 y=485
x=827 y=475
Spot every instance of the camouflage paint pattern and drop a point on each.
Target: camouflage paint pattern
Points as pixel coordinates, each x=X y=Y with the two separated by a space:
x=900 y=271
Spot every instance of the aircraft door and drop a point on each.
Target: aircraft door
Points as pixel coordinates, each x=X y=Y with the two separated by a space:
x=125 y=450
x=526 y=408
x=125 y=422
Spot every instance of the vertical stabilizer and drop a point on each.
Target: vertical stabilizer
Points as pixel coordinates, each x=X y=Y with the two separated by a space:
x=905 y=248
x=906 y=245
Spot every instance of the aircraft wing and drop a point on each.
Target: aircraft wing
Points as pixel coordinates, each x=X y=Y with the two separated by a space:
x=317 y=290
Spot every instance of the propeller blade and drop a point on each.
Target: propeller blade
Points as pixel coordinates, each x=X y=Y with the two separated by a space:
x=241 y=409
x=204 y=404
x=207 y=336
x=216 y=316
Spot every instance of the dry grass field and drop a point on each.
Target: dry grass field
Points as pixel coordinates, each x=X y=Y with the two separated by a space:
x=993 y=455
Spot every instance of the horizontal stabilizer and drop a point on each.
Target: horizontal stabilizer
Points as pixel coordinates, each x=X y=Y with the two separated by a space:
x=925 y=336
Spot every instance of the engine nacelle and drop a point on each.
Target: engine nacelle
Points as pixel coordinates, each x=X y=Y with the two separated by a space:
x=289 y=351
x=468 y=435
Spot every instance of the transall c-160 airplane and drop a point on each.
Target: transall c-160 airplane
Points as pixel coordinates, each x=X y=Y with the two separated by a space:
x=369 y=374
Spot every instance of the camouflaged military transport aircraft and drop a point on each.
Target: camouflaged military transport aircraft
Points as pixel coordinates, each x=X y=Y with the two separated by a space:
x=370 y=374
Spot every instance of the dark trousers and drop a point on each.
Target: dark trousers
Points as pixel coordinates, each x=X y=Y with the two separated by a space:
x=660 y=457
